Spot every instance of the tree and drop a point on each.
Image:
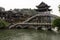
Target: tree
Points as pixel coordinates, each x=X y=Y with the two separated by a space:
x=17 y=10
x=2 y=9
x=56 y=23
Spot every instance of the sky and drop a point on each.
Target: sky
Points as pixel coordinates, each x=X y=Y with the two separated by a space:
x=11 y=4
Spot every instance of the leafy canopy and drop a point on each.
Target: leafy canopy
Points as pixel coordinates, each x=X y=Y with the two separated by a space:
x=56 y=22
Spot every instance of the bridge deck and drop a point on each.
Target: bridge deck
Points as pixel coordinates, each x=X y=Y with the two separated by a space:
x=36 y=23
x=30 y=24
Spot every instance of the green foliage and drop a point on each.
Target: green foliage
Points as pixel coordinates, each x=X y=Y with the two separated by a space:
x=56 y=22
x=3 y=23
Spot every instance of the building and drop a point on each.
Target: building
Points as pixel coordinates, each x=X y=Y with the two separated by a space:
x=30 y=18
x=40 y=15
x=43 y=16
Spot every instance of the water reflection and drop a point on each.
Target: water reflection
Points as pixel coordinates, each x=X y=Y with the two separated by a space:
x=25 y=34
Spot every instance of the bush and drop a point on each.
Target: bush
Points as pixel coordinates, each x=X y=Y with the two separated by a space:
x=3 y=23
x=56 y=23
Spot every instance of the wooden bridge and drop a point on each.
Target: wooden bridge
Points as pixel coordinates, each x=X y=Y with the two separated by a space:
x=27 y=24
x=31 y=25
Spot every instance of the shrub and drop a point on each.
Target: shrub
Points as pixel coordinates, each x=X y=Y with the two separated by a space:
x=56 y=23
x=3 y=23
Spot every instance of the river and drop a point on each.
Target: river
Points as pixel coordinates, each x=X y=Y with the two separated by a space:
x=27 y=34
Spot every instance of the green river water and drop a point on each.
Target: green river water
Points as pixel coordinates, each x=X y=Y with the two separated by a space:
x=28 y=34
